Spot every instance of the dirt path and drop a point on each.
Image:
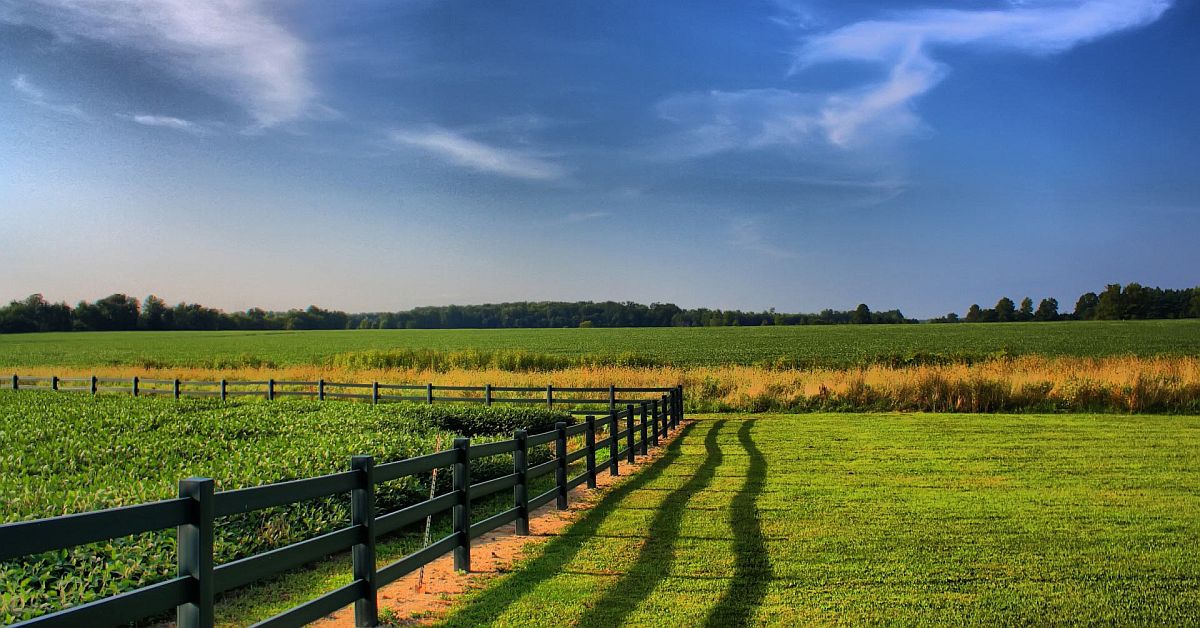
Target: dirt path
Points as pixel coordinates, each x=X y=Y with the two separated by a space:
x=491 y=554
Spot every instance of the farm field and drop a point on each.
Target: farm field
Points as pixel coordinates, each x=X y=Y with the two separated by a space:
x=1104 y=366
x=862 y=519
x=62 y=454
x=837 y=346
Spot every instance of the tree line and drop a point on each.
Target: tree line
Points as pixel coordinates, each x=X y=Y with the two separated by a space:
x=119 y=312
x=1129 y=302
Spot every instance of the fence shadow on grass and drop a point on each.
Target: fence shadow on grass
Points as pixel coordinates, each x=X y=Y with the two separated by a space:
x=560 y=551
x=752 y=569
x=658 y=553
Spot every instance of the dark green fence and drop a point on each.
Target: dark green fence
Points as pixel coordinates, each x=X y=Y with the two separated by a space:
x=193 y=513
x=323 y=390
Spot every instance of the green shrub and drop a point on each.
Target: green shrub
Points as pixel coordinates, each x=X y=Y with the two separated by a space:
x=475 y=420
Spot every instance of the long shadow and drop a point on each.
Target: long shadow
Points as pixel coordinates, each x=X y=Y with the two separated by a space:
x=558 y=552
x=752 y=569
x=658 y=553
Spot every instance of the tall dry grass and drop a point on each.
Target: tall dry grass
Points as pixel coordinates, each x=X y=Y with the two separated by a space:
x=1021 y=384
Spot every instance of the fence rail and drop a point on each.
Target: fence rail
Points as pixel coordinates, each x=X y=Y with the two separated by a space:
x=194 y=512
x=323 y=390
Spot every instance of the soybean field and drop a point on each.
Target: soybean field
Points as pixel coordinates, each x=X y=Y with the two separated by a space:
x=839 y=346
x=64 y=454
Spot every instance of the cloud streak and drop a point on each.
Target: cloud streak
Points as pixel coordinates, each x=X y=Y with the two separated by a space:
x=746 y=233
x=37 y=96
x=575 y=217
x=27 y=89
x=166 y=122
x=904 y=47
x=230 y=48
x=460 y=150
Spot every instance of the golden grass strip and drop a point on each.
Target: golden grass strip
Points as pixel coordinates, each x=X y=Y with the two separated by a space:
x=1027 y=383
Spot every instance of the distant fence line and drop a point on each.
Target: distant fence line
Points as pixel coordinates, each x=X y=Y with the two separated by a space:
x=321 y=390
x=627 y=432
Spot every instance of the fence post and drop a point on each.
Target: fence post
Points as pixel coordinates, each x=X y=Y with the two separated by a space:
x=668 y=409
x=549 y=397
x=521 y=490
x=629 y=429
x=645 y=441
x=271 y=389
x=54 y=382
x=654 y=420
x=462 y=509
x=16 y=382
x=135 y=385
x=195 y=554
x=661 y=423
x=428 y=393
x=560 y=458
x=679 y=408
x=362 y=513
x=666 y=415
x=374 y=393
x=94 y=385
x=613 y=445
x=321 y=389
x=612 y=398
x=589 y=439
x=223 y=391
x=176 y=389
x=487 y=394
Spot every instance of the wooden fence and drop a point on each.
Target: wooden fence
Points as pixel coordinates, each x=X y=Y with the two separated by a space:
x=322 y=390
x=627 y=432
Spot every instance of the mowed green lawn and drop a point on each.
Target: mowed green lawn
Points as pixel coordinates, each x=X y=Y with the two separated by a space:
x=854 y=519
x=838 y=345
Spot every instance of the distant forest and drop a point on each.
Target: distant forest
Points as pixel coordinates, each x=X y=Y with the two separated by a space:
x=119 y=312
x=1116 y=303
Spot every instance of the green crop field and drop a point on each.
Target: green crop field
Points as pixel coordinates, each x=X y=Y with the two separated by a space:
x=62 y=454
x=865 y=519
x=839 y=345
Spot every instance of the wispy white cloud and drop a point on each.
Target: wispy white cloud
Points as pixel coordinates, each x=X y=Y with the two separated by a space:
x=720 y=121
x=879 y=112
x=35 y=95
x=747 y=233
x=460 y=150
x=27 y=89
x=794 y=14
x=905 y=45
x=230 y=48
x=585 y=216
x=166 y=122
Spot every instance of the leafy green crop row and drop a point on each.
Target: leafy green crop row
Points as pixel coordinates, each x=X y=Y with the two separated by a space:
x=62 y=454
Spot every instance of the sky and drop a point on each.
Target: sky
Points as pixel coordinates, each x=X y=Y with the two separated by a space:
x=801 y=155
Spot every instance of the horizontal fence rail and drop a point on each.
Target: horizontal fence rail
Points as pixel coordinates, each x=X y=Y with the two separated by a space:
x=194 y=512
x=323 y=390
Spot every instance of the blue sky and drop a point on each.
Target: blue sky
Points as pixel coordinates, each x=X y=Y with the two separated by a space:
x=797 y=155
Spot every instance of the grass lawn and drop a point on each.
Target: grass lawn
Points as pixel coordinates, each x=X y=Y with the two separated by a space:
x=784 y=519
